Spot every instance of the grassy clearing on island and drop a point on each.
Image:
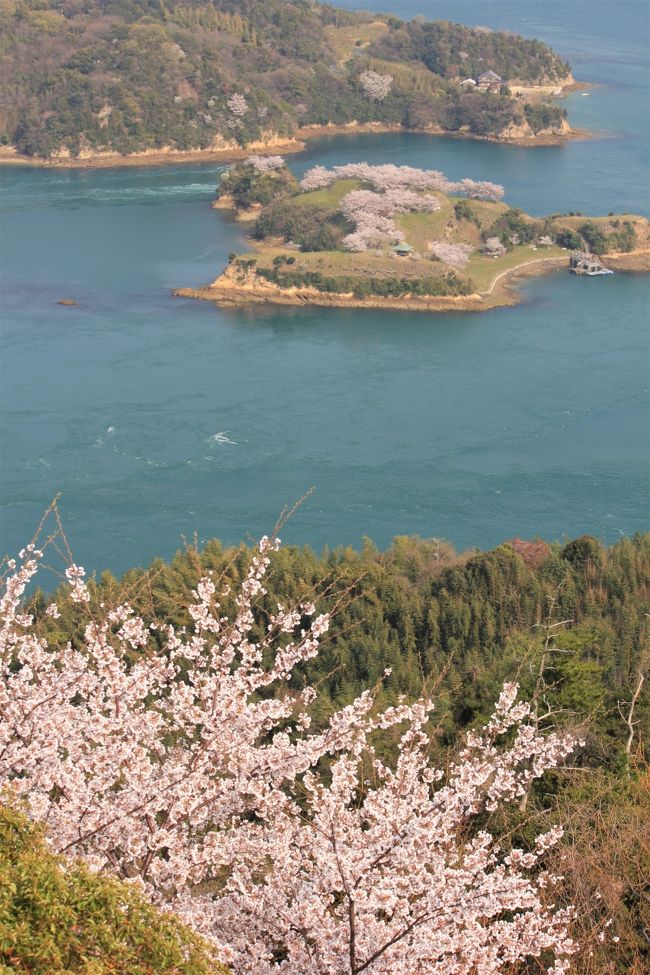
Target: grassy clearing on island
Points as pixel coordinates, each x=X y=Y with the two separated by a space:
x=345 y=40
x=483 y=269
x=329 y=196
x=333 y=263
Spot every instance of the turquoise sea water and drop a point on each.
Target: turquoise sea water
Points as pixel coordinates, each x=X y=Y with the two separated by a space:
x=157 y=417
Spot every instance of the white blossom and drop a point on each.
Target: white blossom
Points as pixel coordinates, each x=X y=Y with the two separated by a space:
x=237 y=105
x=266 y=164
x=455 y=255
x=494 y=246
x=173 y=763
x=375 y=86
x=391 y=177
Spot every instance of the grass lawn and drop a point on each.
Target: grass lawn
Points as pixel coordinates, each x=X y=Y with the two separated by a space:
x=344 y=39
x=336 y=263
x=483 y=269
x=329 y=196
x=421 y=228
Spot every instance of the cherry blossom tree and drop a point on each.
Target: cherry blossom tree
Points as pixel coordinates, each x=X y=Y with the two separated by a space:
x=372 y=215
x=382 y=876
x=138 y=745
x=316 y=178
x=481 y=190
x=494 y=247
x=160 y=754
x=375 y=86
x=389 y=176
x=545 y=241
x=266 y=164
x=455 y=255
x=237 y=105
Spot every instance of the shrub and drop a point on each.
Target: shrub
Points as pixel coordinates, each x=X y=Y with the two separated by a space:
x=57 y=917
x=544 y=116
x=314 y=228
x=464 y=211
x=247 y=184
x=595 y=237
x=366 y=287
x=568 y=238
x=512 y=224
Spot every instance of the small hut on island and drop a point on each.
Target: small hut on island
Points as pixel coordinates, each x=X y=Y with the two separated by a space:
x=582 y=263
x=403 y=250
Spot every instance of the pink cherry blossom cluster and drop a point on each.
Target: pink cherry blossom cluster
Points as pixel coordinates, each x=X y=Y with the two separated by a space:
x=380 y=876
x=238 y=105
x=391 y=177
x=455 y=255
x=160 y=754
x=494 y=247
x=266 y=164
x=375 y=86
x=372 y=214
x=480 y=189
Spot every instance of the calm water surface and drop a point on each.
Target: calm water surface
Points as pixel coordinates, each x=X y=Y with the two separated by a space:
x=157 y=417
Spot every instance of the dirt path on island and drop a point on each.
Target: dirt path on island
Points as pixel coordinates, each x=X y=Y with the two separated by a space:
x=520 y=269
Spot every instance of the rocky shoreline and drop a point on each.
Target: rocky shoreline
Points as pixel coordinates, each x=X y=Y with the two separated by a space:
x=234 y=290
x=226 y=151
x=234 y=153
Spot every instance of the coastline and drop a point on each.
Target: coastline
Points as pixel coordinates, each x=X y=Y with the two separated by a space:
x=277 y=146
x=230 y=293
x=154 y=157
x=541 y=140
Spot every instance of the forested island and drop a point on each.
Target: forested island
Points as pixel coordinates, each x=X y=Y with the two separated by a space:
x=175 y=663
x=90 y=81
x=391 y=236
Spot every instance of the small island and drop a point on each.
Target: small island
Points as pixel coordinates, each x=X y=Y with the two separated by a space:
x=398 y=237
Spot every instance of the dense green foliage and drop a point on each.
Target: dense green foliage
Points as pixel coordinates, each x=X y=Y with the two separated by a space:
x=542 y=116
x=451 y=50
x=247 y=186
x=129 y=75
x=424 y=611
x=368 y=287
x=314 y=228
x=514 y=224
x=599 y=241
x=568 y=238
x=59 y=918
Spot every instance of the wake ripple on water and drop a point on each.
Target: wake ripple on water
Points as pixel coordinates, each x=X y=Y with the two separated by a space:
x=221 y=437
x=71 y=193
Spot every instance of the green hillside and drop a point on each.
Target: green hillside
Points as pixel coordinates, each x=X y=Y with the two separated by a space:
x=131 y=75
